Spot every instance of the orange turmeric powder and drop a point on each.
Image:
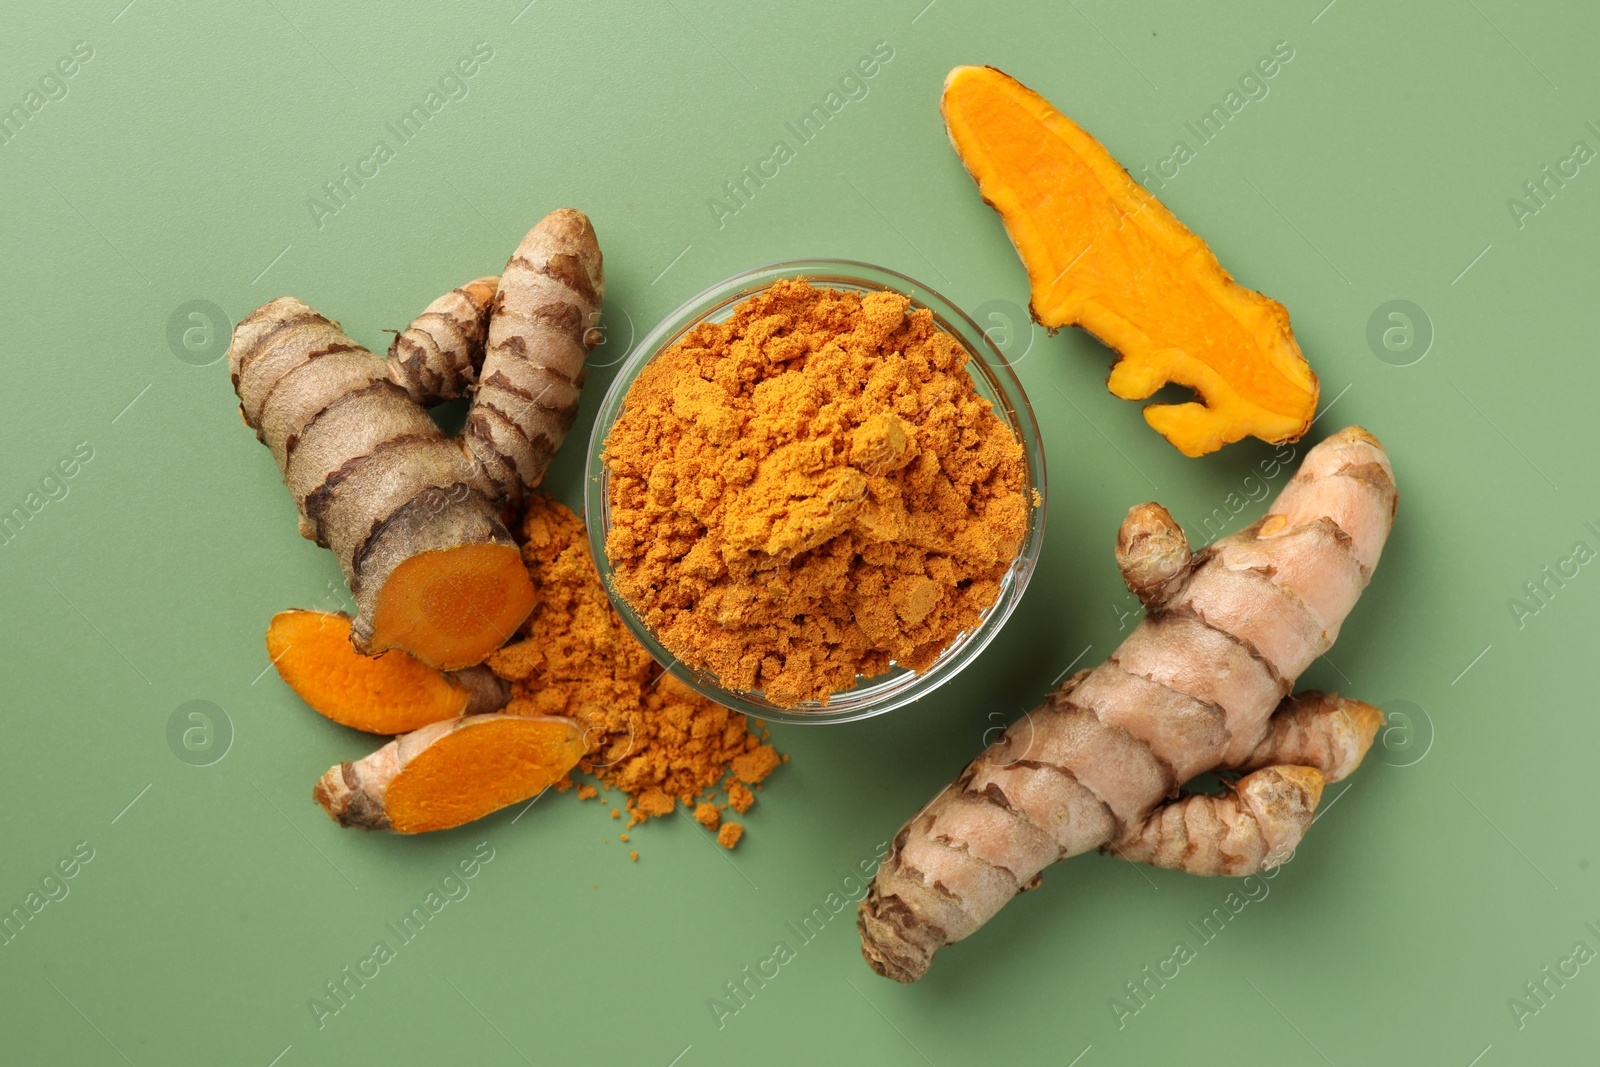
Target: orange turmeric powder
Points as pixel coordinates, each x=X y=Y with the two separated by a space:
x=811 y=491
x=646 y=734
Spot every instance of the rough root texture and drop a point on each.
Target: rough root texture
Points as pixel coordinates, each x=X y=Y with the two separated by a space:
x=451 y=773
x=416 y=519
x=544 y=322
x=388 y=694
x=436 y=357
x=1199 y=685
x=1103 y=253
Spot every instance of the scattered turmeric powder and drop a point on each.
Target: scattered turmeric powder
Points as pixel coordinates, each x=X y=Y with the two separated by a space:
x=812 y=491
x=646 y=734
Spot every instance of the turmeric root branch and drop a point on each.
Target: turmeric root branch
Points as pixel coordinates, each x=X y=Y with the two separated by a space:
x=545 y=319
x=1153 y=554
x=1321 y=730
x=437 y=357
x=1255 y=825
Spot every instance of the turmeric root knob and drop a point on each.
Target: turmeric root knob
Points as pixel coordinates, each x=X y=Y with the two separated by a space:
x=1104 y=254
x=389 y=694
x=436 y=357
x=451 y=773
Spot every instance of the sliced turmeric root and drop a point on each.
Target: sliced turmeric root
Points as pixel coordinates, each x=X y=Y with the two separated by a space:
x=1104 y=254
x=451 y=607
x=451 y=772
x=390 y=694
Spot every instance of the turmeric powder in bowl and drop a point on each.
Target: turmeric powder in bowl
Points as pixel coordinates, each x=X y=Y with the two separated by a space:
x=811 y=491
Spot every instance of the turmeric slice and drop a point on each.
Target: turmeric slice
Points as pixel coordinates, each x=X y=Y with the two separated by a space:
x=451 y=772
x=389 y=694
x=1104 y=254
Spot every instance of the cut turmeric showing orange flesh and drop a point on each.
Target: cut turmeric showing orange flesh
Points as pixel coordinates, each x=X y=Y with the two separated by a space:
x=389 y=694
x=1104 y=254
x=451 y=772
x=451 y=607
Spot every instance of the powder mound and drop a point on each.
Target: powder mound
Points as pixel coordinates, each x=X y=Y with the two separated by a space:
x=648 y=735
x=812 y=491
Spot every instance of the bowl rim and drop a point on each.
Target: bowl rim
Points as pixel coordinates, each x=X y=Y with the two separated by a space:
x=1005 y=394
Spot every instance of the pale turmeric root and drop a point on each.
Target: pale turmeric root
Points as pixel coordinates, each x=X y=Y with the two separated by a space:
x=416 y=519
x=1104 y=254
x=389 y=694
x=1199 y=685
x=451 y=773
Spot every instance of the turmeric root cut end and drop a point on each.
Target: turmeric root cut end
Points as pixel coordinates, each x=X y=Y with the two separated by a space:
x=451 y=607
x=479 y=769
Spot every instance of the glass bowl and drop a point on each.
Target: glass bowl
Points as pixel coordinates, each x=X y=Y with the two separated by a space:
x=993 y=378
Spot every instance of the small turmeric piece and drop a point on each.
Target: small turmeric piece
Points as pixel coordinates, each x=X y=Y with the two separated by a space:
x=451 y=772
x=394 y=693
x=729 y=835
x=754 y=766
x=1104 y=254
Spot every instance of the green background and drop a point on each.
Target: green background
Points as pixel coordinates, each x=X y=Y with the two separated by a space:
x=1454 y=866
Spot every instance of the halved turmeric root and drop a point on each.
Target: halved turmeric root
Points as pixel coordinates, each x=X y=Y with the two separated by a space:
x=389 y=694
x=1104 y=254
x=451 y=772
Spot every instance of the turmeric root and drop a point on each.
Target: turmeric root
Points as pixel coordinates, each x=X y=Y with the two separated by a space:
x=546 y=318
x=437 y=356
x=1198 y=685
x=416 y=519
x=389 y=694
x=1103 y=253
x=451 y=772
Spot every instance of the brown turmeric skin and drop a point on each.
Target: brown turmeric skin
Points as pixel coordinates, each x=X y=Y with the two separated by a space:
x=1103 y=253
x=417 y=519
x=811 y=491
x=1200 y=684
